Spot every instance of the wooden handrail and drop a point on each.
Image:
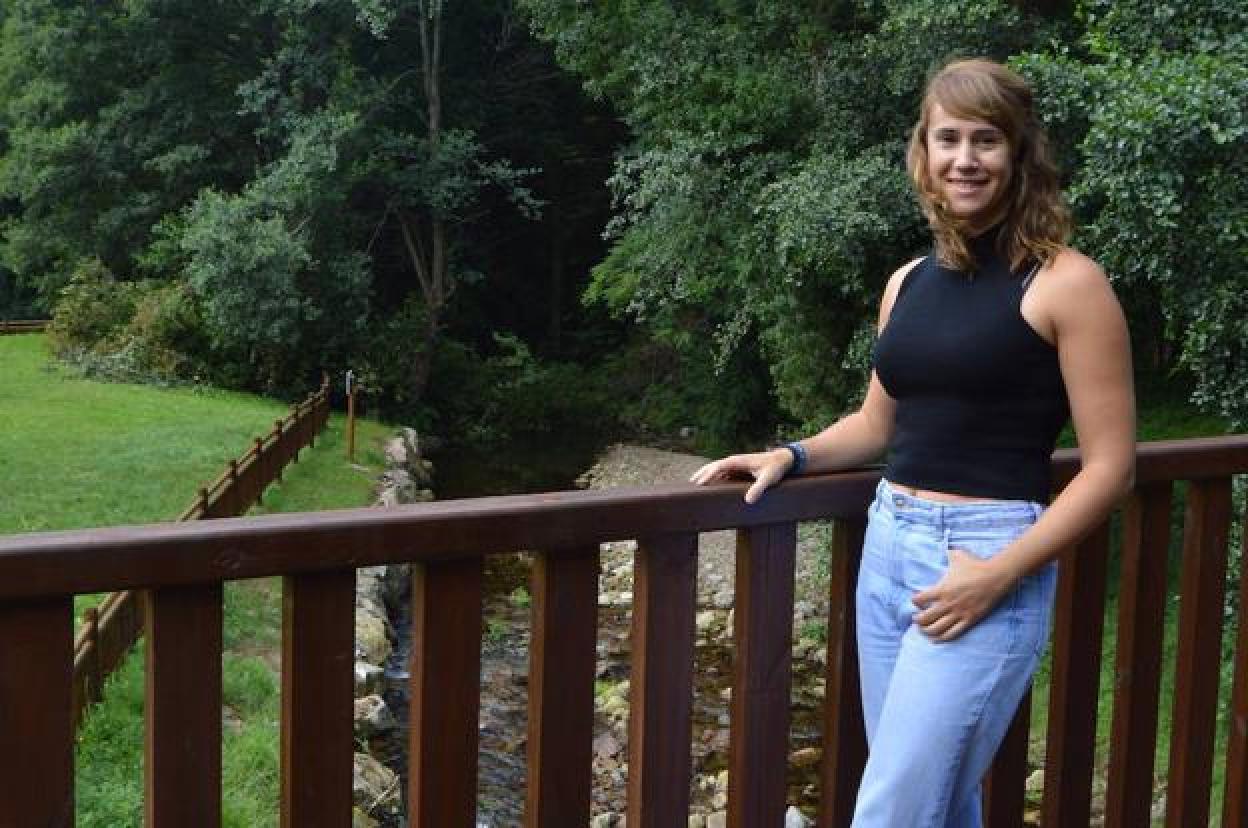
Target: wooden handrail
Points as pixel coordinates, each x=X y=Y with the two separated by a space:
x=185 y=564
x=22 y=326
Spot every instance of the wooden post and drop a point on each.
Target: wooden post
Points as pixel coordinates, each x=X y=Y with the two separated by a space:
x=351 y=416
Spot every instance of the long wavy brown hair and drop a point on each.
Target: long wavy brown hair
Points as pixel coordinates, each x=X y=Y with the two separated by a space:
x=1036 y=221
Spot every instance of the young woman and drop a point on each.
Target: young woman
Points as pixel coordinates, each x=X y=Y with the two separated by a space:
x=985 y=348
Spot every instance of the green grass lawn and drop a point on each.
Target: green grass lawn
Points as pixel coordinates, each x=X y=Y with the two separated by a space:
x=80 y=453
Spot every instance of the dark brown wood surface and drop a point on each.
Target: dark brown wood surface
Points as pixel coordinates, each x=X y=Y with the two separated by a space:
x=1078 y=623
x=36 y=723
x=844 y=740
x=182 y=763
x=1005 y=784
x=762 y=671
x=1235 y=800
x=100 y=560
x=445 y=694
x=318 y=684
x=661 y=688
x=562 y=656
x=1205 y=535
x=1137 y=672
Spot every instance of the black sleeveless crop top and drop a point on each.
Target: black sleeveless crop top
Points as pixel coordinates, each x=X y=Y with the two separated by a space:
x=980 y=397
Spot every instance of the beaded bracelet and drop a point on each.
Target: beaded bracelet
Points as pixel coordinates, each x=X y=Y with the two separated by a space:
x=799 y=458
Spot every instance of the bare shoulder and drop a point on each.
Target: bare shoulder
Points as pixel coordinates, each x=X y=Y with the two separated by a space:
x=893 y=287
x=1073 y=287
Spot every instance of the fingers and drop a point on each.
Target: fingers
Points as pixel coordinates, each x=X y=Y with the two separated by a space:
x=758 y=466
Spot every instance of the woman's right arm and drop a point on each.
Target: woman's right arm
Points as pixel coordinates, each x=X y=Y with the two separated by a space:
x=851 y=441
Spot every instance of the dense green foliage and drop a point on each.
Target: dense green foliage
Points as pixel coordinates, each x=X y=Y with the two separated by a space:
x=762 y=200
x=277 y=188
x=419 y=191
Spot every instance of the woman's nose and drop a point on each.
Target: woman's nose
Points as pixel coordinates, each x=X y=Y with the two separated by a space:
x=965 y=157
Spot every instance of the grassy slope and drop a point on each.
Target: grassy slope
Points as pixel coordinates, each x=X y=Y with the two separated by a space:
x=66 y=443
x=79 y=453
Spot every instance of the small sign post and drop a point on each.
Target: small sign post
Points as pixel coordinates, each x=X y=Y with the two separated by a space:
x=351 y=416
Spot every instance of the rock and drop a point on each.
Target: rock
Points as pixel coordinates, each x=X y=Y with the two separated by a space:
x=721 y=780
x=372 y=638
x=719 y=819
x=396 y=451
x=367 y=678
x=359 y=819
x=373 y=718
x=722 y=599
x=697 y=821
x=794 y=818
x=374 y=787
x=603 y=821
x=706 y=621
x=803 y=610
x=606 y=746
x=1035 y=781
x=805 y=757
x=719 y=801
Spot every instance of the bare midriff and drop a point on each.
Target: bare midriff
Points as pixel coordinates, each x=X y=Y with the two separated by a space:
x=940 y=497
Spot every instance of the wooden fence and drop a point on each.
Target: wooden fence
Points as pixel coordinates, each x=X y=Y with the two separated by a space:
x=184 y=565
x=20 y=326
x=110 y=630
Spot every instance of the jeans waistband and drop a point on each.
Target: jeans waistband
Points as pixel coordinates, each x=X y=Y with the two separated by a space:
x=980 y=514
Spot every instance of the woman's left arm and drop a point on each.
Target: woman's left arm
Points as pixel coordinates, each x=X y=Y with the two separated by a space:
x=1075 y=305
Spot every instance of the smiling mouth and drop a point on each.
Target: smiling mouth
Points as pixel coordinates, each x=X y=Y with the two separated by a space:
x=967 y=188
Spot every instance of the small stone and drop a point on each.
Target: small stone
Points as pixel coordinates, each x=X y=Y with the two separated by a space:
x=719 y=819
x=805 y=757
x=721 y=780
x=374 y=787
x=373 y=717
x=1035 y=781
x=603 y=821
x=719 y=801
x=359 y=819
x=793 y=818
x=697 y=821
x=367 y=678
x=722 y=599
x=706 y=621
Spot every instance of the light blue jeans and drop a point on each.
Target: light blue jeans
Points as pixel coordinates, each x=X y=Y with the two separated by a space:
x=937 y=711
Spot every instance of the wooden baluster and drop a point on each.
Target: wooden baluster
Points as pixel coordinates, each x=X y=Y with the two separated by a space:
x=1235 y=801
x=1137 y=674
x=661 y=688
x=562 y=659
x=318 y=655
x=844 y=740
x=95 y=676
x=1005 y=795
x=445 y=694
x=36 y=713
x=203 y=503
x=261 y=469
x=182 y=766
x=234 y=492
x=280 y=454
x=762 y=675
x=1078 y=625
x=1205 y=528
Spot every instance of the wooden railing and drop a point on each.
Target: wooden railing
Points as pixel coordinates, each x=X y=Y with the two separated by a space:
x=110 y=630
x=18 y=326
x=184 y=566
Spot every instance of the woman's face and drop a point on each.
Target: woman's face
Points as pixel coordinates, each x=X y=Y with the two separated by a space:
x=968 y=163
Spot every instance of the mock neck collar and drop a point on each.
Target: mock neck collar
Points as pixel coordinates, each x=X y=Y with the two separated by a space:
x=984 y=246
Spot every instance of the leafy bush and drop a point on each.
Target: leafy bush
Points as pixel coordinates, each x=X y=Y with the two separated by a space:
x=92 y=309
